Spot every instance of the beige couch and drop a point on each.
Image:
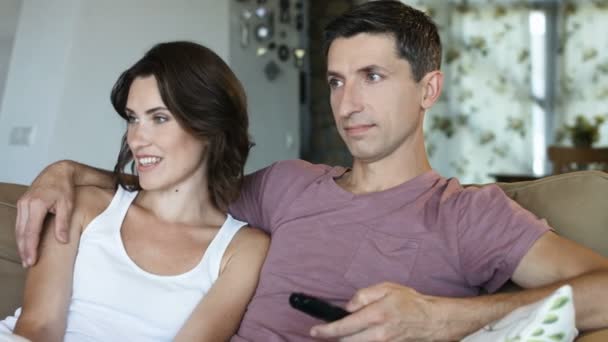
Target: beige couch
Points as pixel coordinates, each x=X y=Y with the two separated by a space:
x=11 y=272
x=575 y=204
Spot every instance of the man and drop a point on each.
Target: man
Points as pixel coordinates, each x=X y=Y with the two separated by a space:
x=403 y=249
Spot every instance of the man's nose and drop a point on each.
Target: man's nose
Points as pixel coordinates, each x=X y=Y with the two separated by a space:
x=351 y=100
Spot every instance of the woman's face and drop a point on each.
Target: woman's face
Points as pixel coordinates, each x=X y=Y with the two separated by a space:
x=166 y=156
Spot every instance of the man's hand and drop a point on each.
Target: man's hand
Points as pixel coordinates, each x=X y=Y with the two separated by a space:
x=387 y=312
x=51 y=192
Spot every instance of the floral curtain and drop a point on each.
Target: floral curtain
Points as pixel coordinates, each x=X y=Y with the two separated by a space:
x=481 y=126
x=583 y=67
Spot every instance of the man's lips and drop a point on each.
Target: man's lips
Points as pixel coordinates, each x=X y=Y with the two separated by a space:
x=357 y=129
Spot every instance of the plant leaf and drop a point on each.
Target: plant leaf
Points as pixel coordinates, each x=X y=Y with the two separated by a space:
x=557 y=337
x=559 y=302
x=538 y=332
x=550 y=319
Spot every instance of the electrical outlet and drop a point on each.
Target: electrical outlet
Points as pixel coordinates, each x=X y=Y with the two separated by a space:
x=21 y=136
x=289 y=140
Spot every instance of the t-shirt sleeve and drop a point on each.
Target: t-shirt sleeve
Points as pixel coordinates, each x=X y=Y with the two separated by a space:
x=494 y=234
x=249 y=207
x=267 y=194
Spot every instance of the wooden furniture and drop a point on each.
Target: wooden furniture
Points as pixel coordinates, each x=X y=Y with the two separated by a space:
x=513 y=177
x=567 y=159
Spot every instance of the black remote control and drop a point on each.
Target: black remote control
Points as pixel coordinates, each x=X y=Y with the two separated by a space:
x=316 y=307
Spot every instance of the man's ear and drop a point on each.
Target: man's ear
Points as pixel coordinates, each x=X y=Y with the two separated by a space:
x=432 y=85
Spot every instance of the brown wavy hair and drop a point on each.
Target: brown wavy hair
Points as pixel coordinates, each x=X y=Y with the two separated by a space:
x=207 y=100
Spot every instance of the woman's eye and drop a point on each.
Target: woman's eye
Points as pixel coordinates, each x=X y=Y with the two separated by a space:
x=160 y=119
x=131 y=118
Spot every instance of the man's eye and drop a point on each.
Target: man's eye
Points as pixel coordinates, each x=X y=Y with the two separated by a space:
x=334 y=83
x=373 y=77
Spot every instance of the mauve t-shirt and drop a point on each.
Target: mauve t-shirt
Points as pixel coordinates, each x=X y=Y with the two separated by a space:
x=429 y=233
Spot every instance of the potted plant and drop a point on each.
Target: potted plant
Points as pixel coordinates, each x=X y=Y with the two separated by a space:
x=584 y=132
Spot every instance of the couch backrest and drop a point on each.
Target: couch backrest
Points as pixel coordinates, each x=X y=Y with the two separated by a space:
x=575 y=205
x=10 y=193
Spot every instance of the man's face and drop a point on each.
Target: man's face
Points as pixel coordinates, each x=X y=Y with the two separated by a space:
x=375 y=101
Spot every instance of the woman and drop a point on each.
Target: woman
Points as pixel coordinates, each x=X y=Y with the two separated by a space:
x=159 y=259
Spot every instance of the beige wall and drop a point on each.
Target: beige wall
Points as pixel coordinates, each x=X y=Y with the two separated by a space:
x=9 y=14
x=67 y=55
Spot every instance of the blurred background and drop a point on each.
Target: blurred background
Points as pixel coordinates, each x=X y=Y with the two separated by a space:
x=521 y=77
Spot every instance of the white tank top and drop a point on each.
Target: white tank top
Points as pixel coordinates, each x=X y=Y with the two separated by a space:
x=115 y=300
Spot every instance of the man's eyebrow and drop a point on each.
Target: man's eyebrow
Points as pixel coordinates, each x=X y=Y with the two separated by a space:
x=149 y=111
x=331 y=73
x=372 y=68
x=362 y=70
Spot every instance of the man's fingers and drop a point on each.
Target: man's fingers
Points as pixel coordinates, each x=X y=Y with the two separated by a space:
x=63 y=212
x=30 y=245
x=367 y=296
x=37 y=211
x=347 y=326
x=22 y=214
x=366 y=313
x=377 y=333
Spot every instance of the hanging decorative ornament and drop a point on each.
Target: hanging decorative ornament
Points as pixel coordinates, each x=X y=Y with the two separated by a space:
x=265 y=29
x=262 y=32
x=283 y=53
x=261 y=12
x=261 y=51
x=244 y=26
x=272 y=70
x=284 y=14
x=299 y=55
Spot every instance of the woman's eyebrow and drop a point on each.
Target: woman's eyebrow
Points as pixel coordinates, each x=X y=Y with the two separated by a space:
x=149 y=111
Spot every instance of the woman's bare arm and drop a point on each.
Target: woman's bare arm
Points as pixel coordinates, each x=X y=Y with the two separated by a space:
x=48 y=286
x=218 y=315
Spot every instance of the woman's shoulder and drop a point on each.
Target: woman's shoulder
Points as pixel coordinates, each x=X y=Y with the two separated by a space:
x=90 y=201
x=251 y=235
x=249 y=244
x=92 y=195
x=249 y=240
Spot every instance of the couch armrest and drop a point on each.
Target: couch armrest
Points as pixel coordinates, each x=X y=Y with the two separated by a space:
x=596 y=336
x=12 y=275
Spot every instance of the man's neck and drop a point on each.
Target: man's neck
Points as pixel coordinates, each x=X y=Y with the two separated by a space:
x=392 y=171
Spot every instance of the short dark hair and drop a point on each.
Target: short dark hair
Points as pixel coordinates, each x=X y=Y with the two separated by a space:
x=415 y=33
x=207 y=100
